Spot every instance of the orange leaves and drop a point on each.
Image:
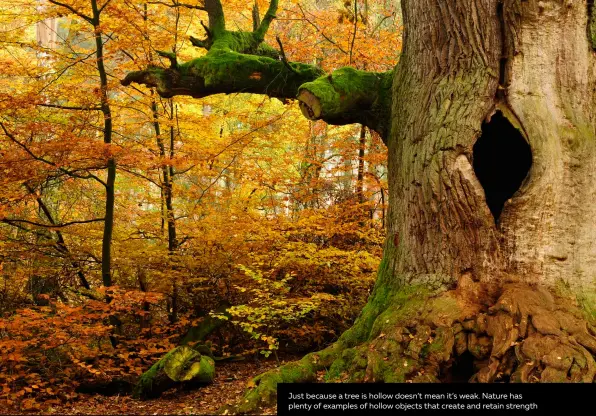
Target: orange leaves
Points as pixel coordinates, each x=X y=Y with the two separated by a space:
x=373 y=44
x=87 y=367
x=241 y=179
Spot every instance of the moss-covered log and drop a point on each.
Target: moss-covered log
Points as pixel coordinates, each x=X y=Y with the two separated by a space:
x=182 y=364
x=191 y=361
x=240 y=62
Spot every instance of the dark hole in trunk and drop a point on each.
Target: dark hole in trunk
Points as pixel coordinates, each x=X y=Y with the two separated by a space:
x=461 y=370
x=502 y=160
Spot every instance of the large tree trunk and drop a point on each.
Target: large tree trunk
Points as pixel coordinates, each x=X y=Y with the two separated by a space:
x=491 y=250
x=446 y=85
x=487 y=275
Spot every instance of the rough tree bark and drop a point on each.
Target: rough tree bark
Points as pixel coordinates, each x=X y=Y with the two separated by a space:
x=491 y=248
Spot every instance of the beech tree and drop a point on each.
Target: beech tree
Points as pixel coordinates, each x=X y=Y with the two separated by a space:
x=490 y=255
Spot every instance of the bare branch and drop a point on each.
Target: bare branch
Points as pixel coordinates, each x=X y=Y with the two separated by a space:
x=140 y=175
x=199 y=43
x=68 y=107
x=207 y=30
x=171 y=57
x=60 y=243
x=256 y=18
x=104 y=6
x=284 y=59
x=355 y=29
x=328 y=39
x=49 y=162
x=175 y=4
x=37 y=224
x=72 y=9
x=182 y=172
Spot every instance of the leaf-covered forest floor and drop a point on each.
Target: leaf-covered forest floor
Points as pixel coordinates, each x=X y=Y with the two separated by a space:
x=229 y=384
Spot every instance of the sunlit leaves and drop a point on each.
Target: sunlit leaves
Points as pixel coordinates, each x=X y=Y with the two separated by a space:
x=264 y=202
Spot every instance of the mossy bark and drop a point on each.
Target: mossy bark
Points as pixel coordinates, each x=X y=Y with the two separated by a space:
x=515 y=332
x=349 y=96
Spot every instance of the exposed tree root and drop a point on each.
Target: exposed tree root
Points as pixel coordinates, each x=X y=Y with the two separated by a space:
x=509 y=333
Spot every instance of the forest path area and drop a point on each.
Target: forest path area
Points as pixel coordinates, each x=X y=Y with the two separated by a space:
x=229 y=384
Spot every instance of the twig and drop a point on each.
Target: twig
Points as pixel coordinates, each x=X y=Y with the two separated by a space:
x=320 y=31
x=284 y=59
x=355 y=29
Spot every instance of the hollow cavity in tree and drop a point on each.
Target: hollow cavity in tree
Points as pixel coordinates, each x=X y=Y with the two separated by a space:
x=502 y=160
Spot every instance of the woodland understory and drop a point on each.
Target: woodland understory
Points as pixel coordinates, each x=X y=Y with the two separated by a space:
x=202 y=200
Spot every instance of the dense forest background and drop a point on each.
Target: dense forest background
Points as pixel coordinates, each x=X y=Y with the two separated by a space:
x=126 y=218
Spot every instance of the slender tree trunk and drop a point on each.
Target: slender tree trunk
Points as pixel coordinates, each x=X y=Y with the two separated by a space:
x=145 y=319
x=168 y=174
x=110 y=183
x=106 y=250
x=172 y=240
x=360 y=178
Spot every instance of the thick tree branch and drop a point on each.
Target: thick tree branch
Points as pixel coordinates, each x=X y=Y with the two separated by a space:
x=176 y=4
x=227 y=72
x=349 y=96
x=344 y=97
x=239 y=62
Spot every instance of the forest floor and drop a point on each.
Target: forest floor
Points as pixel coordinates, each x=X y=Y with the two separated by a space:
x=227 y=388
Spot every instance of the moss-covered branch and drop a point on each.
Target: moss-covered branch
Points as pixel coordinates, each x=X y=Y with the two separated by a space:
x=240 y=62
x=182 y=364
x=349 y=96
x=227 y=72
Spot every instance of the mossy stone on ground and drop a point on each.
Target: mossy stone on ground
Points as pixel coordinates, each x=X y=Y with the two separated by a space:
x=182 y=364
